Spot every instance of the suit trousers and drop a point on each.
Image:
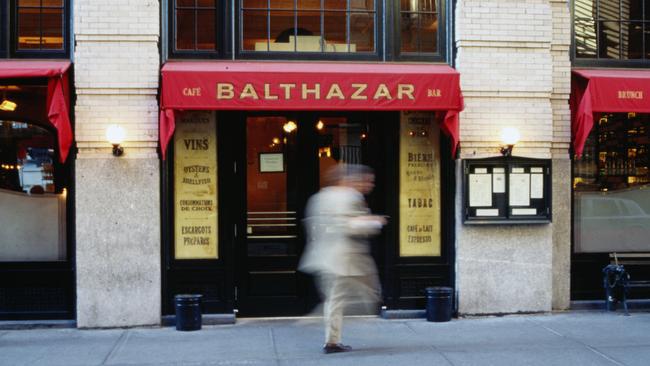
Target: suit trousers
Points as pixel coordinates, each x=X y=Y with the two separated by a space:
x=341 y=291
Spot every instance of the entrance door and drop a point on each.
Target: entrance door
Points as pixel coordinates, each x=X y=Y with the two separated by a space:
x=286 y=158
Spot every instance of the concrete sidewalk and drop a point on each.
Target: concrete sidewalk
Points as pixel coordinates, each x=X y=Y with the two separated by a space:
x=574 y=338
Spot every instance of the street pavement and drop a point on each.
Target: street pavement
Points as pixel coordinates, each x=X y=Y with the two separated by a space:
x=571 y=338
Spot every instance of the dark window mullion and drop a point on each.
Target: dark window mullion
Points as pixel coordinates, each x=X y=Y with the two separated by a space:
x=40 y=26
x=620 y=39
x=419 y=31
x=598 y=29
x=174 y=26
x=377 y=42
x=643 y=30
x=268 y=26
x=195 y=38
x=348 y=14
x=620 y=30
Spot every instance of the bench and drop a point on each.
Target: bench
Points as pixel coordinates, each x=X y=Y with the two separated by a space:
x=617 y=280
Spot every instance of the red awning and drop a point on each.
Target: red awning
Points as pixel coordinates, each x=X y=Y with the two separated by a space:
x=58 y=93
x=607 y=91
x=308 y=86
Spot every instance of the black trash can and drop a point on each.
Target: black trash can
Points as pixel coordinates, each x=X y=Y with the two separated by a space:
x=439 y=304
x=188 y=312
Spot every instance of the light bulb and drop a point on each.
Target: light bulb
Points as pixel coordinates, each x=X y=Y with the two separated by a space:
x=115 y=134
x=290 y=126
x=510 y=135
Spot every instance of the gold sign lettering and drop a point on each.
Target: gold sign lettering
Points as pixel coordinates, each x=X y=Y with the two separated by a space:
x=192 y=92
x=434 y=93
x=306 y=91
x=405 y=89
x=288 y=91
x=419 y=193
x=248 y=92
x=267 y=93
x=358 y=89
x=382 y=92
x=630 y=94
x=225 y=91
x=335 y=92
x=195 y=186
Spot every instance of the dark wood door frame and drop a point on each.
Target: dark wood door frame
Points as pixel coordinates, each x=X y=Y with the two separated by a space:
x=211 y=278
x=403 y=279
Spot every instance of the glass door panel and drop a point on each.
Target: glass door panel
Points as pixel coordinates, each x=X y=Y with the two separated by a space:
x=339 y=141
x=269 y=283
x=271 y=227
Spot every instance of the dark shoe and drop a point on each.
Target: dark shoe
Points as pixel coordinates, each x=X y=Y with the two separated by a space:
x=335 y=348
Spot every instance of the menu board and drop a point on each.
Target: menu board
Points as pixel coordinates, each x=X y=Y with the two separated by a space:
x=507 y=190
x=195 y=186
x=419 y=205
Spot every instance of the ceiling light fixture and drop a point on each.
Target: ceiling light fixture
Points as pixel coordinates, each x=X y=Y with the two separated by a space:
x=290 y=126
x=8 y=106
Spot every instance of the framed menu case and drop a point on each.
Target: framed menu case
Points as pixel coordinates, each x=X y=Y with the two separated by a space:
x=507 y=190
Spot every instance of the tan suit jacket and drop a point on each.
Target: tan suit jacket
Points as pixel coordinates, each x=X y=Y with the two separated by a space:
x=336 y=238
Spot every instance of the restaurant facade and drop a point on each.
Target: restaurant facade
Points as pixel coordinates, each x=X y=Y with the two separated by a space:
x=36 y=145
x=610 y=106
x=230 y=113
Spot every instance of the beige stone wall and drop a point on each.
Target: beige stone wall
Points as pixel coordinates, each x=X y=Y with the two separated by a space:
x=560 y=51
x=514 y=64
x=116 y=60
x=116 y=72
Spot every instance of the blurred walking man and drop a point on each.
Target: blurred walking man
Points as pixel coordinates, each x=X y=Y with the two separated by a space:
x=339 y=224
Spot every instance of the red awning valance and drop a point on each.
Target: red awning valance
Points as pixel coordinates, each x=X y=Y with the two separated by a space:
x=58 y=93
x=605 y=90
x=308 y=86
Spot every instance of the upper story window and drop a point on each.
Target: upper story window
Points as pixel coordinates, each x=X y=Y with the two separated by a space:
x=196 y=24
x=36 y=28
x=419 y=26
x=308 y=29
x=612 y=31
x=344 y=26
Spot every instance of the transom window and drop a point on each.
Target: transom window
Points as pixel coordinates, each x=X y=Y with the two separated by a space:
x=308 y=25
x=36 y=28
x=419 y=26
x=309 y=29
x=196 y=22
x=612 y=29
x=40 y=24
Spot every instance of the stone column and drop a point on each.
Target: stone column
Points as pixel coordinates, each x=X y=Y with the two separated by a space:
x=507 y=60
x=560 y=48
x=116 y=71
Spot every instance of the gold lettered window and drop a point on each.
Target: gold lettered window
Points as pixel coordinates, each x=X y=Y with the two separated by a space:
x=419 y=207
x=195 y=186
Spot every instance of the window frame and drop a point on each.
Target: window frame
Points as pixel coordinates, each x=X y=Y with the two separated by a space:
x=608 y=62
x=307 y=56
x=12 y=25
x=440 y=55
x=223 y=41
x=4 y=29
x=387 y=37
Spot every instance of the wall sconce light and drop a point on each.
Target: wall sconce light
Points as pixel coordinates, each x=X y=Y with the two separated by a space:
x=509 y=136
x=115 y=135
x=8 y=106
x=290 y=126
